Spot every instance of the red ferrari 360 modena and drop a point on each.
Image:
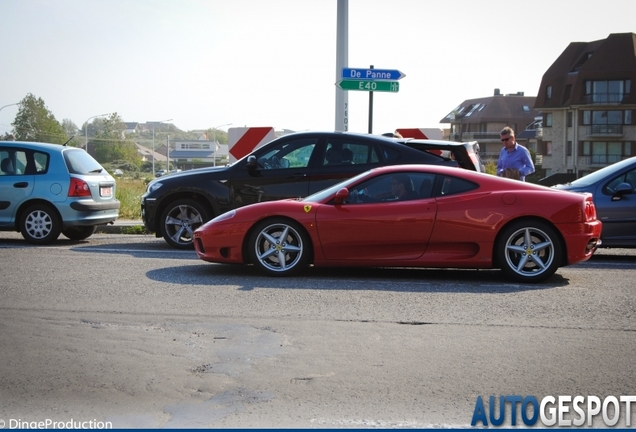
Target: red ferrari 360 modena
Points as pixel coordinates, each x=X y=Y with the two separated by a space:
x=411 y=216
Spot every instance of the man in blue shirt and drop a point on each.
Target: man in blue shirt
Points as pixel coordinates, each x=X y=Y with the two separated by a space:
x=513 y=157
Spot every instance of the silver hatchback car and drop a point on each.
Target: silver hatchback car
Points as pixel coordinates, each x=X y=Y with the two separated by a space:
x=48 y=189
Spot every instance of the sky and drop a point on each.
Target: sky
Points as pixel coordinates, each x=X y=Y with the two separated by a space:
x=232 y=63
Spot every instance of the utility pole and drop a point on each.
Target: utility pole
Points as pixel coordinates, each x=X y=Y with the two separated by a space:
x=168 y=152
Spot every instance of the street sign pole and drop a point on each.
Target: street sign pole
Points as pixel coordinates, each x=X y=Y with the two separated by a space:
x=371 y=108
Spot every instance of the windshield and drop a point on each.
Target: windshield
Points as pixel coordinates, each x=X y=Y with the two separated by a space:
x=323 y=194
x=600 y=174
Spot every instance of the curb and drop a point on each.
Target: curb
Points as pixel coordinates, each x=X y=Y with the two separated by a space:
x=122 y=227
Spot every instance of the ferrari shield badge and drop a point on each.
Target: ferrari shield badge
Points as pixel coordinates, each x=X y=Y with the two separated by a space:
x=307 y=208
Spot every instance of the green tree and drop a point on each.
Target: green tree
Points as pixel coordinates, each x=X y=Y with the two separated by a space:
x=72 y=130
x=111 y=143
x=34 y=122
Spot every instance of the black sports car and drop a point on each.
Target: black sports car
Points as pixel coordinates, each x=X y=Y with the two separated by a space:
x=294 y=165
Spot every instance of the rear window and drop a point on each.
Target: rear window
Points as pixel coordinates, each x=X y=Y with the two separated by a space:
x=80 y=162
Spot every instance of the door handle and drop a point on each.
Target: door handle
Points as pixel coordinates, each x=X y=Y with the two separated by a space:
x=21 y=185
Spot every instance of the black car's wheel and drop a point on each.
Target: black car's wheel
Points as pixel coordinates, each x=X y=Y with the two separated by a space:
x=179 y=221
x=529 y=251
x=279 y=247
x=40 y=224
x=79 y=232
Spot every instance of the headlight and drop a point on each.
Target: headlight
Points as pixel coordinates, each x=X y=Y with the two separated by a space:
x=227 y=215
x=154 y=186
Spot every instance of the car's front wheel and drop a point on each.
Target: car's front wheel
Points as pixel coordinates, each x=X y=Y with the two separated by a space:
x=40 y=224
x=279 y=247
x=179 y=221
x=79 y=232
x=529 y=251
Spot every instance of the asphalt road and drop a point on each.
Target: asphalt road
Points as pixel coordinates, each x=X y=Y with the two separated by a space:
x=124 y=329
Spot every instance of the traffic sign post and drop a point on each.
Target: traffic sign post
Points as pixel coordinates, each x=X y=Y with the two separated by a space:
x=367 y=85
x=371 y=80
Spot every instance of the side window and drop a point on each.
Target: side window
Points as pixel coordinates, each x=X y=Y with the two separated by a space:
x=390 y=155
x=6 y=163
x=21 y=162
x=454 y=185
x=629 y=177
x=291 y=154
x=347 y=153
x=40 y=163
x=12 y=162
x=394 y=187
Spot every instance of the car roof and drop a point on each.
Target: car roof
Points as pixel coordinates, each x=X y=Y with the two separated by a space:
x=453 y=171
x=340 y=133
x=39 y=145
x=436 y=144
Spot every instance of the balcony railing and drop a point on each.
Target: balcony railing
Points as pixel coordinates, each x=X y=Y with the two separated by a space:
x=479 y=136
x=605 y=98
x=605 y=130
x=602 y=160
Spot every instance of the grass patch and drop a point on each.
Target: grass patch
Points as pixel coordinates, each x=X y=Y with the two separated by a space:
x=129 y=192
x=134 y=230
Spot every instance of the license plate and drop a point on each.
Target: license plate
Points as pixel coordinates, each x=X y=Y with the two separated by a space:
x=106 y=191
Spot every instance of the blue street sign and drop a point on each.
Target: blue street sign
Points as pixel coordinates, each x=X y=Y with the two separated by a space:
x=372 y=74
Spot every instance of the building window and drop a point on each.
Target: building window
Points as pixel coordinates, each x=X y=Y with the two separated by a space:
x=602 y=121
x=606 y=152
x=569 y=119
x=548 y=92
x=607 y=91
x=547 y=122
x=548 y=148
x=472 y=109
x=569 y=148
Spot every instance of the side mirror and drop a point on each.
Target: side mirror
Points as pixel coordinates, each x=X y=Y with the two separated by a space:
x=251 y=162
x=621 y=189
x=341 y=196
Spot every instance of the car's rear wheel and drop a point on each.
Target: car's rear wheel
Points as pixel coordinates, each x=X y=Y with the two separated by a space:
x=529 y=251
x=179 y=221
x=40 y=224
x=279 y=247
x=79 y=232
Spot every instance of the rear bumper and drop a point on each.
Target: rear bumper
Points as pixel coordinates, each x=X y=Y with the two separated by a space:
x=582 y=243
x=95 y=206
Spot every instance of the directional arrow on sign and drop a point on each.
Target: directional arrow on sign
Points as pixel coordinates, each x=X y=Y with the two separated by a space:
x=366 y=85
x=372 y=74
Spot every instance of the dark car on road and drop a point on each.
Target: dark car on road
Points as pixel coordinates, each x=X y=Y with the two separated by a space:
x=614 y=192
x=292 y=166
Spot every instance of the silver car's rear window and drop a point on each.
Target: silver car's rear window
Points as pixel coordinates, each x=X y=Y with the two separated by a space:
x=80 y=162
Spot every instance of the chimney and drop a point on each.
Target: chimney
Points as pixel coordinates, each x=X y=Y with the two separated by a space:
x=497 y=92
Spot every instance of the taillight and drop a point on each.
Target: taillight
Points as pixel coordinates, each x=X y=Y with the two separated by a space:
x=78 y=188
x=590 y=210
